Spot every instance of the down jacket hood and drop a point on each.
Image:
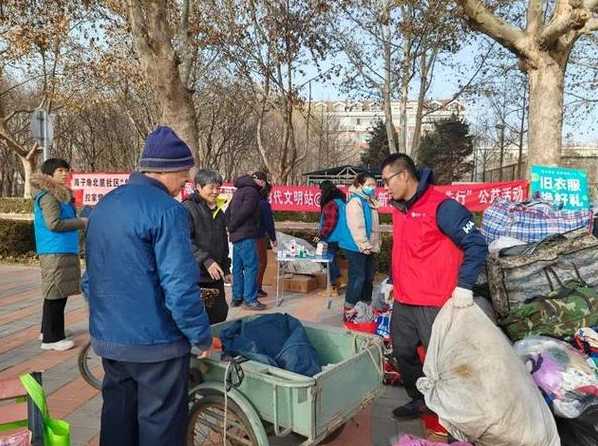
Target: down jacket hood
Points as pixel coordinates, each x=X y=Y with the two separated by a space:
x=41 y=182
x=246 y=181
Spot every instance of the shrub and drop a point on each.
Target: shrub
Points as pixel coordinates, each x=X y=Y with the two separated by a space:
x=16 y=239
x=16 y=205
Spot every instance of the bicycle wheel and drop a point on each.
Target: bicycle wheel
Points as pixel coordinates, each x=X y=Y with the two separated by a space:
x=90 y=366
x=206 y=423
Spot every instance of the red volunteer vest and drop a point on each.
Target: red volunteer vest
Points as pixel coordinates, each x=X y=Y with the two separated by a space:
x=425 y=262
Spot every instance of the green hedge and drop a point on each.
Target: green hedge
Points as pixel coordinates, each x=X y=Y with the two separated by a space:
x=15 y=205
x=16 y=240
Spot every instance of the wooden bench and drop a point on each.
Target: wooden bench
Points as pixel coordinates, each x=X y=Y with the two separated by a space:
x=15 y=405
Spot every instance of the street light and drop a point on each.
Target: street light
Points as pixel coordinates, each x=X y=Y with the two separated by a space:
x=501 y=128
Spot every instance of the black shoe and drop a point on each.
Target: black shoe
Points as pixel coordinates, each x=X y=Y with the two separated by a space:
x=255 y=306
x=236 y=302
x=413 y=409
x=262 y=293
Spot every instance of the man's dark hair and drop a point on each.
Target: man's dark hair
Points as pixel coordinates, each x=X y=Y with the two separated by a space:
x=51 y=164
x=207 y=176
x=399 y=162
x=329 y=192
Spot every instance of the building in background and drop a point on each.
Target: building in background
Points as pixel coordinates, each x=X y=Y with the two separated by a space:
x=356 y=119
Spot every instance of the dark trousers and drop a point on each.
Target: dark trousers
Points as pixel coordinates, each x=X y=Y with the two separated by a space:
x=362 y=268
x=145 y=404
x=335 y=272
x=53 y=320
x=410 y=326
x=262 y=255
x=216 y=307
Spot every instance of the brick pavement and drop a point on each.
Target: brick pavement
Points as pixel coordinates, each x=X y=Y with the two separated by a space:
x=71 y=398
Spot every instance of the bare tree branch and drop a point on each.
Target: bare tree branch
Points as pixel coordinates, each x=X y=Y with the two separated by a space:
x=574 y=17
x=493 y=26
x=535 y=16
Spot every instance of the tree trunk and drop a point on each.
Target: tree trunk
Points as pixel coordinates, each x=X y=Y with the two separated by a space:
x=153 y=41
x=29 y=165
x=545 y=113
x=386 y=95
x=403 y=116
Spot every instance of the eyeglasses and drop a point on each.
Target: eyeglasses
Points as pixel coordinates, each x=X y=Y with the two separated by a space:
x=387 y=180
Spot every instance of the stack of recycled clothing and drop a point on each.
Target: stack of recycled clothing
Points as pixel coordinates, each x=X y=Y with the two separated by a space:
x=542 y=276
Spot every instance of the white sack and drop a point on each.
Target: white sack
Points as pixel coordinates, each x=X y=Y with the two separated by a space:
x=477 y=384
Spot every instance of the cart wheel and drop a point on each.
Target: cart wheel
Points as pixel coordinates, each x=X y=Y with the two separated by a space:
x=90 y=366
x=334 y=434
x=206 y=423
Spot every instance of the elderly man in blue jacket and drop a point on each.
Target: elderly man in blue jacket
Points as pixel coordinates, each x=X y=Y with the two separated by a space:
x=145 y=306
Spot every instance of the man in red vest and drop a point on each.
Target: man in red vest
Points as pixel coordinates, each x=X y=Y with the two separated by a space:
x=437 y=253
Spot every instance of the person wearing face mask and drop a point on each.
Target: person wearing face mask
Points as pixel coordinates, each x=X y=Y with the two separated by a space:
x=209 y=240
x=363 y=241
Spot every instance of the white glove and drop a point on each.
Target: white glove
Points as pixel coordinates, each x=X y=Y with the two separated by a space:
x=462 y=297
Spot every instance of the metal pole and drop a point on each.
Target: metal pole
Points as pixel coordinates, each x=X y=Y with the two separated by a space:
x=45 y=134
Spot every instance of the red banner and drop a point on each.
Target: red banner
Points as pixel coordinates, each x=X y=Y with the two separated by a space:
x=91 y=187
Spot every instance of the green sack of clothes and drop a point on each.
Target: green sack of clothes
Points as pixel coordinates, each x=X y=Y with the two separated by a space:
x=558 y=314
x=56 y=432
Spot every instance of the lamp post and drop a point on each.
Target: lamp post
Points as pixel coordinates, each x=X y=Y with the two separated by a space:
x=501 y=128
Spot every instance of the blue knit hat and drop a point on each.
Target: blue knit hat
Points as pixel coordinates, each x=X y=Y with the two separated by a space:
x=164 y=151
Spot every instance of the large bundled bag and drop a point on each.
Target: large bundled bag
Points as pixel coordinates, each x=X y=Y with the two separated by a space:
x=518 y=273
x=477 y=384
x=580 y=431
x=565 y=376
x=530 y=221
x=559 y=314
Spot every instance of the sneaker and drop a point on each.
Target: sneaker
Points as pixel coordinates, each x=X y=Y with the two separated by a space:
x=67 y=334
x=262 y=293
x=236 y=302
x=255 y=306
x=60 y=346
x=413 y=409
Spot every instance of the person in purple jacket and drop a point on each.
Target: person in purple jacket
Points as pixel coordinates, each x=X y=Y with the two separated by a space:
x=242 y=216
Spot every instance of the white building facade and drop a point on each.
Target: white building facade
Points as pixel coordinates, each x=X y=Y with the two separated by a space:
x=355 y=120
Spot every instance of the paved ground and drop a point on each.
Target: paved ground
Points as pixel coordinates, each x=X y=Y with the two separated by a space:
x=69 y=397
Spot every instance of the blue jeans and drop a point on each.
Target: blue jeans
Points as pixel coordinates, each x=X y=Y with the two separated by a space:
x=335 y=272
x=361 y=272
x=245 y=266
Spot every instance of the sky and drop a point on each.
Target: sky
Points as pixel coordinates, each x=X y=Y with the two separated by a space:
x=583 y=129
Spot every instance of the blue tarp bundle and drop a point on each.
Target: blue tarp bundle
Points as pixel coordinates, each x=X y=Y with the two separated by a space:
x=276 y=339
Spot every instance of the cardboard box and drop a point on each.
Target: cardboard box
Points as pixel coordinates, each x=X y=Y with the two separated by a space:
x=300 y=284
x=321 y=278
x=270 y=273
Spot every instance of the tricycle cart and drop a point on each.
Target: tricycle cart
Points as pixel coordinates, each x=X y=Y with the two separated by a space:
x=264 y=400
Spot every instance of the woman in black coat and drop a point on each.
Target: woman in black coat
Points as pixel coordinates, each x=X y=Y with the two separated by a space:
x=209 y=241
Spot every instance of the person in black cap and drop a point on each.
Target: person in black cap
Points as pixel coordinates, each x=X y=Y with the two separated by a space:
x=145 y=305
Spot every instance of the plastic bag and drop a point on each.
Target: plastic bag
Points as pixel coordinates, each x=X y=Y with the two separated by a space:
x=22 y=438
x=409 y=440
x=562 y=372
x=477 y=384
x=582 y=431
x=382 y=296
